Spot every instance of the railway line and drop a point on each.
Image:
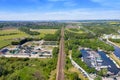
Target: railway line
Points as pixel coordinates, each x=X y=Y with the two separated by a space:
x=61 y=58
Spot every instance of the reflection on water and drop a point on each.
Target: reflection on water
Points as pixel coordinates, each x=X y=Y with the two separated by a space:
x=106 y=61
x=117 y=51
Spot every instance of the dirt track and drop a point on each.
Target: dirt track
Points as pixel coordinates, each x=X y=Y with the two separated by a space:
x=61 y=58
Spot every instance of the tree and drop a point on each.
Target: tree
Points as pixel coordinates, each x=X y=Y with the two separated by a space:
x=14 y=76
x=38 y=76
x=103 y=72
x=75 y=76
x=98 y=78
x=27 y=30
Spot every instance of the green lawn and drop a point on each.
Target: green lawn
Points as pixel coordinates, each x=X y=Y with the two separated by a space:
x=114 y=58
x=15 y=34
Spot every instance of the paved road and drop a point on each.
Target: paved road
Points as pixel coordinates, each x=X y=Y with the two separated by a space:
x=61 y=58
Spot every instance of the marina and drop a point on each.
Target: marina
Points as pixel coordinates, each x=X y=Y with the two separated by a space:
x=95 y=60
x=99 y=60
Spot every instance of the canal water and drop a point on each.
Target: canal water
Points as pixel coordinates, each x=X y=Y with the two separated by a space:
x=106 y=61
x=117 y=51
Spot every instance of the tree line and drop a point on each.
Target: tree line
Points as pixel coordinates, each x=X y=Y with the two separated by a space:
x=53 y=37
x=27 y=30
x=32 y=24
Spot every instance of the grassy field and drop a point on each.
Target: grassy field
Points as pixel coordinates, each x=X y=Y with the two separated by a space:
x=76 y=30
x=4 y=43
x=74 y=70
x=115 y=58
x=118 y=44
x=70 y=70
x=53 y=75
x=6 y=39
x=15 y=34
x=43 y=32
x=6 y=36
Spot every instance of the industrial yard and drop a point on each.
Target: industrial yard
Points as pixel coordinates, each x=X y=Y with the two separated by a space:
x=33 y=49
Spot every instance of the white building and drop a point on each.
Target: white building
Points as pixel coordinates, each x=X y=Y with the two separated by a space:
x=105 y=36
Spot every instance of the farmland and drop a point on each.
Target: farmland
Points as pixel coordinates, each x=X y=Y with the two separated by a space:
x=15 y=34
x=7 y=36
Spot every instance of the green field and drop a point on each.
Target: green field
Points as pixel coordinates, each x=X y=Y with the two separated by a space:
x=18 y=34
x=43 y=32
x=6 y=39
x=7 y=36
x=75 y=30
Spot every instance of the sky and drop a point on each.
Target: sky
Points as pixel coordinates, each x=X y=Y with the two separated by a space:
x=59 y=9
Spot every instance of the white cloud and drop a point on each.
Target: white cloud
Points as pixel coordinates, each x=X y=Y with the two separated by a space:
x=63 y=15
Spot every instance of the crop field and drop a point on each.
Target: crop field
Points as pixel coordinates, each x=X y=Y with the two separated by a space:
x=4 y=43
x=11 y=34
x=6 y=36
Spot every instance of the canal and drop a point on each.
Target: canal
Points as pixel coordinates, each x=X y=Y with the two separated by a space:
x=106 y=61
x=117 y=51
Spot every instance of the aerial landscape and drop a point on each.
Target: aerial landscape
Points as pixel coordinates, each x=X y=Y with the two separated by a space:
x=59 y=40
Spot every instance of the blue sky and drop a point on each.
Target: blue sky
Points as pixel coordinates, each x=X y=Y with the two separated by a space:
x=59 y=9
